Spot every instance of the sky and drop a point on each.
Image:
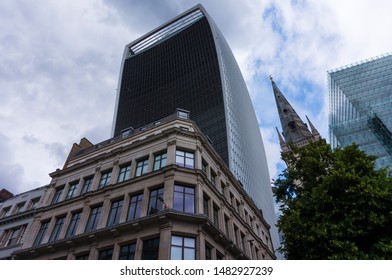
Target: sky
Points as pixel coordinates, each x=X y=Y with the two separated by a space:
x=60 y=61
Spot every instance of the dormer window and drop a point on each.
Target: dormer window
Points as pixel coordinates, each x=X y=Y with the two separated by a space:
x=126 y=132
x=183 y=114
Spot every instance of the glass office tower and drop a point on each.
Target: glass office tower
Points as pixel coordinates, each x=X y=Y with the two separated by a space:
x=360 y=97
x=186 y=63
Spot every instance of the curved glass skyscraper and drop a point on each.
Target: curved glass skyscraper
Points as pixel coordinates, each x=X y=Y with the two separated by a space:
x=186 y=63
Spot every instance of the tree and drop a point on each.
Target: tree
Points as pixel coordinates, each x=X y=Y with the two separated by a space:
x=334 y=204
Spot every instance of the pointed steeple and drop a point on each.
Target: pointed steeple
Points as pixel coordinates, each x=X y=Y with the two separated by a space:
x=315 y=133
x=294 y=129
x=283 y=146
x=281 y=141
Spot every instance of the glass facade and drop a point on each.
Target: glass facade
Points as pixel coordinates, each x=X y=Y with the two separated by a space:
x=360 y=102
x=186 y=63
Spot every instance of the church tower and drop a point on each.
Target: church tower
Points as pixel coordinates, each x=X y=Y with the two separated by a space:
x=295 y=131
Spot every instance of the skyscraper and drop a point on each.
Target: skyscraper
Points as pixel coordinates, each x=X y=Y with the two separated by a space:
x=186 y=63
x=360 y=102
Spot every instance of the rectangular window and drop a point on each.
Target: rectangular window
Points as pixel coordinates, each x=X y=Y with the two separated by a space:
x=236 y=235
x=19 y=207
x=204 y=167
x=206 y=206
x=41 y=233
x=125 y=173
x=105 y=179
x=127 y=252
x=141 y=167
x=213 y=178
x=223 y=187
x=93 y=219
x=150 y=249
x=242 y=245
x=155 y=203
x=106 y=254
x=57 y=228
x=34 y=203
x=115 y=212
x=185 y=159
x=182 y=248
x=216 y=215
x=5 y=212
x=246 y=216
x=72 y=190
x=227 y=225
x=160 y=161
x=135 y=205
x=73 y=224
x=184 y=199
x=182 y=114
x=208 y=252
x=57 y=195
x=15 y=236
x=86 y=185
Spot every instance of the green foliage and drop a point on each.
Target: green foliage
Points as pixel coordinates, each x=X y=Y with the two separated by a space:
x=334 y=204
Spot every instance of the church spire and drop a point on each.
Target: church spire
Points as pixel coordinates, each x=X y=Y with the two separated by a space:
x=295 y=131
x=315 y=133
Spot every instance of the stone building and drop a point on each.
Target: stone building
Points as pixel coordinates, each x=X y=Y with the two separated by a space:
x=16 y=215
x=157 y=192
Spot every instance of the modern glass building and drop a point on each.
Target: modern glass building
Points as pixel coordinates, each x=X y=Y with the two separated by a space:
x=186 y=63
x=360 y=107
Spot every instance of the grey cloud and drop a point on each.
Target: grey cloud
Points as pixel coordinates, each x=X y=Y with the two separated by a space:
x=11 y=174
x=58 y=151
x=31 y=139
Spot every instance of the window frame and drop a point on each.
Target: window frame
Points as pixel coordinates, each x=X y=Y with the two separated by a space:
x=183 y=247
x=183 y=197
x=160 y=192
x=153 y=251
x=182 y=159
x=41 y=233
x=73 y=187
x=124 y=173
x=87 y=182
x=136 y=206
x=105 y=179
x=141 y=167
x=95 y=213
x=13 y=238
x=19 y=207
x=57 y=195
x=73 y=224
x=54 y=236
x=160 y=160
x=126 y=256
x=105 y=253
x=115 y=212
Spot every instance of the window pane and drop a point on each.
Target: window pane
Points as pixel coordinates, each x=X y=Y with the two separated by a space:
x=189 y=254
x=189 y=242
x=189 y=163
x=177 y=240
x=176 y=253
x=178 y=201
x=150 y=249
x=189 y=203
